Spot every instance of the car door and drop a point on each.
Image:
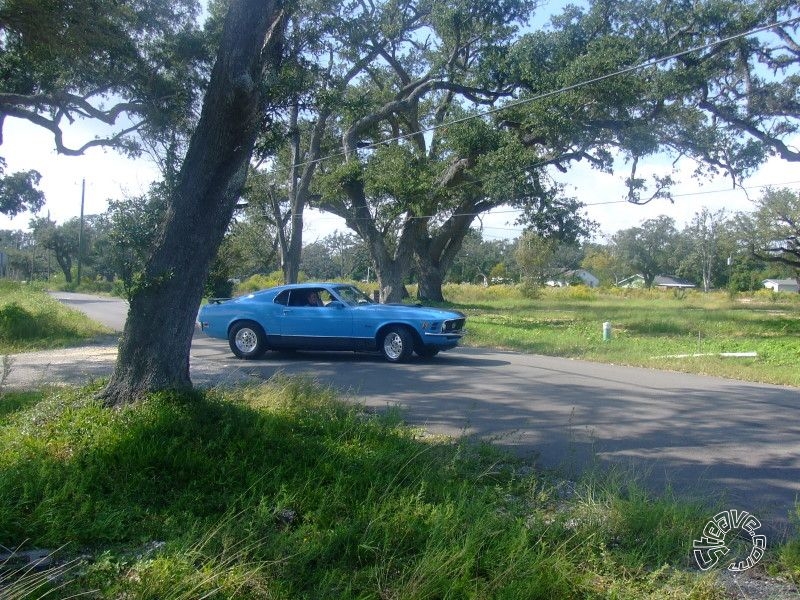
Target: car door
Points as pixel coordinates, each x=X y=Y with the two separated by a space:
x=325 y=326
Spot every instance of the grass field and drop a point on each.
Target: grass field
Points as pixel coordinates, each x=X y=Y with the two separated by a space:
x=31 y=320
x=282 y=492
x=649 y=327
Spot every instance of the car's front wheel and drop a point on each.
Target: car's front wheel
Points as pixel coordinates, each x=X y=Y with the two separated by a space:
x=247 y=340
x=426 y=352
x=397 y=344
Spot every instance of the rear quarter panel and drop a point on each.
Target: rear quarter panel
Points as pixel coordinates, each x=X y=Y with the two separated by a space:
x=219 y=317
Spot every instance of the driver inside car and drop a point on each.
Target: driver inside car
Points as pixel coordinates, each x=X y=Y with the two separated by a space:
x=313 y=299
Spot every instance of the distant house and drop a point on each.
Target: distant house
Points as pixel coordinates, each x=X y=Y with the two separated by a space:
x=634 y=281
x=671 y=283
x=782 y=285
x=661 y=281
x=574 y=276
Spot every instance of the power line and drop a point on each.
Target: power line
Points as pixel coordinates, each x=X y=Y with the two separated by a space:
x=552 y=93
x=606 y=202
x=642 y=65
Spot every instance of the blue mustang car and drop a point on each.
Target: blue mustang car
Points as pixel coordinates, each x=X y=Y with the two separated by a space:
x=328 y=316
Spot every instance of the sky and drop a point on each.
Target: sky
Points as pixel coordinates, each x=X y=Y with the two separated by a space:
x=109 y=175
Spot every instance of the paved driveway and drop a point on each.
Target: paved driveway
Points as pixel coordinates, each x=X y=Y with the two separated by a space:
x=708 y=438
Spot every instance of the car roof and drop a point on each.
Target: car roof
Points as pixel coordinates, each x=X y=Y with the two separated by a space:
x=274 y=291
x=325 y=284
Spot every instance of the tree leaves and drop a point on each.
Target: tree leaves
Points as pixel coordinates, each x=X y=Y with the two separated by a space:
x=18 y=192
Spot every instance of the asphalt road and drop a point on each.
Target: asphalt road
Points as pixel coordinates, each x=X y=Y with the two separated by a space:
x=707 y=438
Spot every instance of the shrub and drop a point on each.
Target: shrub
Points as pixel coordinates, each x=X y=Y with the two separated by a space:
x=259 y=282
x=578 y=292
x=530 y=289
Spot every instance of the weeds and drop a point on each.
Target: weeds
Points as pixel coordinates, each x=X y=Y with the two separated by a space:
x=280 y=491
x=25 y=575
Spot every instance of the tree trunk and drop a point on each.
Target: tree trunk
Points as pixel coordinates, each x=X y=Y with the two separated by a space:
x=65 y=263
x=434 y=256
x=291 y=249
x=154 y=350
x=431 y=279
x=390 y=277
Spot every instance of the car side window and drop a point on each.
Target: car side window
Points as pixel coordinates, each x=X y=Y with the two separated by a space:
x=312 y=299
x=282 y=298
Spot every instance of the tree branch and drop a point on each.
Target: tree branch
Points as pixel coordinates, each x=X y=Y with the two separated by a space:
x=783 y=150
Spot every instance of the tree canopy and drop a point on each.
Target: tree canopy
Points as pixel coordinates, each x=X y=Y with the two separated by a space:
x=448 y=111
x=123 y=64
x=18 y=192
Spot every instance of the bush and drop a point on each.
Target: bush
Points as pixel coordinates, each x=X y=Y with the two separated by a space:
x=259 y=282
x=468 y=292
x=530 y=289
x=577 y=292
x=218 y=286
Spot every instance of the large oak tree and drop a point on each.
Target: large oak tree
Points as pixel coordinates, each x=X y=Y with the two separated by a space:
x=415 y=175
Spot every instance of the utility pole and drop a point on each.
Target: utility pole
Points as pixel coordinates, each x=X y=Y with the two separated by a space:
x=80 y=230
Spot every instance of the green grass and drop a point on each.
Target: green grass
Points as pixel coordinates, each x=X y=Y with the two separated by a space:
x=648 y=327
x=281 y=491
x=31 y=320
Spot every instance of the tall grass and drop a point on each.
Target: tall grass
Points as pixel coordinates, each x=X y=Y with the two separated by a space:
x=280 y=491
x=649 y=327
x=31 y=320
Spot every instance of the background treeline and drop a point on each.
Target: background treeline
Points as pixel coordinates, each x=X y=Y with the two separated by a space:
x=716 y=249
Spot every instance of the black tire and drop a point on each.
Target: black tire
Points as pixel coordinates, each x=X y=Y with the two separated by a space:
x=426 y=352
x=396 y=344
x=247 y=340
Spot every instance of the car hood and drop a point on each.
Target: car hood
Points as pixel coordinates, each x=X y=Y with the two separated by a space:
x=409 y=311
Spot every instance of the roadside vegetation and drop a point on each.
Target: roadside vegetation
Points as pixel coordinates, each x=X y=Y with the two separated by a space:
x=31 y=320
x=281 y=491
x=650 y=328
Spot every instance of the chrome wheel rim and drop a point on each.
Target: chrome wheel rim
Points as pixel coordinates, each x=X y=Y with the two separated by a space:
x=393 y=346
x=246 y=340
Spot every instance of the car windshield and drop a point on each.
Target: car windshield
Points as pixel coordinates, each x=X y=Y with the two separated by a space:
x=352 y=295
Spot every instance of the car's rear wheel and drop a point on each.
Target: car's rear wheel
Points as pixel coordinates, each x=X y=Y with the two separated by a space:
x=247 y=340
x=397 y=344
